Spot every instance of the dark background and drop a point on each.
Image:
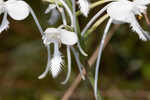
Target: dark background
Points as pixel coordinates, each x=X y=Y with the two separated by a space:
x=125 y=66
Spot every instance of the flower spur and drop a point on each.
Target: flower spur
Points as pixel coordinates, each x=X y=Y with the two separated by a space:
x=120 y=11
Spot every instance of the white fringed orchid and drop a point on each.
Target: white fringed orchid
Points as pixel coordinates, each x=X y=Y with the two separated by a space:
x=84 y=7
x=57 y=36
x=16 y=9
x=120 y=11
x=56 y=5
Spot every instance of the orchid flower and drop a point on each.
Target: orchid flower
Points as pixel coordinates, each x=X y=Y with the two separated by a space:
x=120 y=11
x=69 y=12
x=60 y=34
x=17 y=10
x=84 y=7
x=57 y=37
x=76 y=55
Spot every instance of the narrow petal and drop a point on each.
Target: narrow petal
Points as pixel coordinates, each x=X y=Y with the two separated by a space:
x=80 y=66
x=81 y=50
x=45 y=72
x=48 y=64
x=69 y=66
x=68 y=10
x=99 y=57
x=18 y=10
x=67 y=37
x=5 y=23
x=36 y=21
x=93 y=20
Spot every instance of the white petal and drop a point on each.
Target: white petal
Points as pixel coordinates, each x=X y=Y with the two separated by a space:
x=68 y=38
x=69 y=65
x=56 y=65
x=84 y=7
x=18 y=10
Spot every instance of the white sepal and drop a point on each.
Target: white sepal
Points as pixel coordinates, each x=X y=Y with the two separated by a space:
x=18 y=10
x=67 y=37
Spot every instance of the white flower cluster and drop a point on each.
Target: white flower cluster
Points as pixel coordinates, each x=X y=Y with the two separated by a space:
x=119 y=11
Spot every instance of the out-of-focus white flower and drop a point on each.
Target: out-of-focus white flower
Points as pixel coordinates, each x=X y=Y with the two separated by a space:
x=57 y=36
x=125 y=11
x=16 y=9
x=52 y=8
x=84 y=7
x=120 y=11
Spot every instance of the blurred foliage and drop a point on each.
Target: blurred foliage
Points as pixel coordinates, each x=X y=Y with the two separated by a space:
x=125 y=67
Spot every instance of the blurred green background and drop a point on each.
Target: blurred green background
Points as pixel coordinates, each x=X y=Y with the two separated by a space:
x=125 y=66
